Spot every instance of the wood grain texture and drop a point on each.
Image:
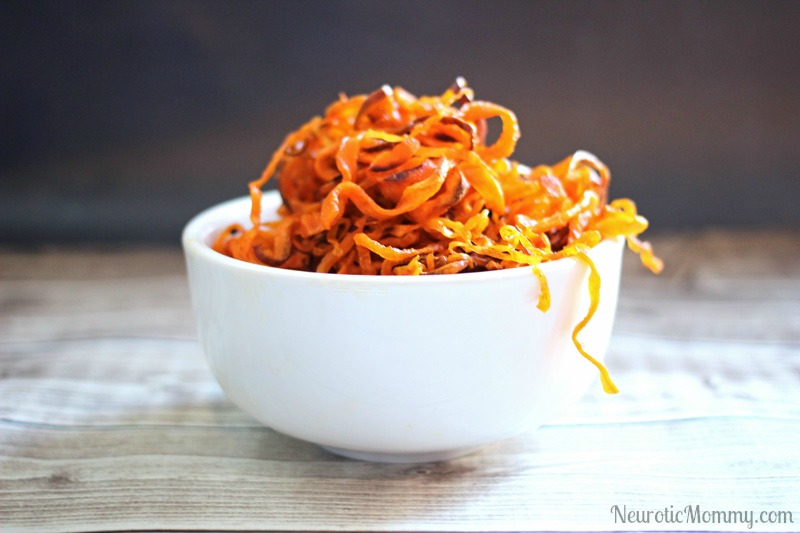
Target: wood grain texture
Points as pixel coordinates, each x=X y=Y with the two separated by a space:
x=111 y=421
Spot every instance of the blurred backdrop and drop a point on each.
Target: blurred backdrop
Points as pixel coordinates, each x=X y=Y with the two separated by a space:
x=120 y=120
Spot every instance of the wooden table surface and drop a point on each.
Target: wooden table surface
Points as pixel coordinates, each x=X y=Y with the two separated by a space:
x=111 y=421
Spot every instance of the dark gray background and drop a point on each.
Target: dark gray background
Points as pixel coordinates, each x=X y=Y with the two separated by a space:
x=120 y=120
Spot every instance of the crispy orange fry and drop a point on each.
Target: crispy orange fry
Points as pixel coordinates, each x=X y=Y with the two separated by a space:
x=392 y=184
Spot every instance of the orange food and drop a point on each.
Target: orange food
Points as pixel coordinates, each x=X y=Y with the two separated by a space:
x=392 y=184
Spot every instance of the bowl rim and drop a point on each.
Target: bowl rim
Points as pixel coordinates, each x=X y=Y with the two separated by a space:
x=193 y=239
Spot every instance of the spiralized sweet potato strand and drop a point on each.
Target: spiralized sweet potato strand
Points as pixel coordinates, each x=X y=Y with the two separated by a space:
x=392 y=184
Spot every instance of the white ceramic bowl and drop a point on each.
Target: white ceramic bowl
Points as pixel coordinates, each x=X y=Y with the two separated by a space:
x=395 y=368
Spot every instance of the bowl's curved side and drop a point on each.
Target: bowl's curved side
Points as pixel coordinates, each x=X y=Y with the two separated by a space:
x=397 y=365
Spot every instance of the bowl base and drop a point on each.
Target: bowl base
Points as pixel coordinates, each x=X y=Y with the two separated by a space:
x=413 y=457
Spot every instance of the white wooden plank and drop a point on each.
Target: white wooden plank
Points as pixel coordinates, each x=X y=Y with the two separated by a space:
x=554 y=479
x=82 y=263
x=156 y=381
x=72 y=309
